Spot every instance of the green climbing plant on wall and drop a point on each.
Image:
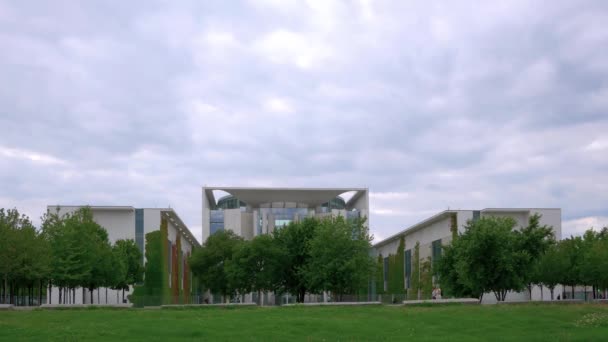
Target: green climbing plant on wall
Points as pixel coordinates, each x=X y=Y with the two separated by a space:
x=426 y=278
x=415 y=281
x=379 y=275
x=164 y=237
x=397 y=272
x=454 y=226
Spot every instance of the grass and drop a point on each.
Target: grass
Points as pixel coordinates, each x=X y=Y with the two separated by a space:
x=529 y=322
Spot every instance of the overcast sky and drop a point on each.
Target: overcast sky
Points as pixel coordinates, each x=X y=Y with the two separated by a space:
x=429 y=104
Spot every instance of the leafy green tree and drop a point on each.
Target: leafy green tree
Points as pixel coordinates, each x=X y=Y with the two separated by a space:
x=487 y=257
x=550 y=268
x=532 y=241
x=209 y=262
x=118 y=279
x=71 y=258
x=130 y=259
x=340 y=256
x=570 y=251
x=295 y=242
x=255 y=265
x=24 y=257
x=449 y=279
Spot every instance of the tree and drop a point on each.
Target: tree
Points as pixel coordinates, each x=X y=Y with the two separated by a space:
x=255 y=266
x=449 y=279
x=130 y=258
x=487 y=257
x=570 y=252
x=550 y=268
x=415 y=282
x=532 y=241
x=24 y=257
x=294 y=240
x=340 y=256
x=209 y=262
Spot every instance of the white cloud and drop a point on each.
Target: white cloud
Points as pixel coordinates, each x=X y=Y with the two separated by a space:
x=288 y=47
x=579 y=226
x=597 y=145
x=278 y=105
x=32 y=156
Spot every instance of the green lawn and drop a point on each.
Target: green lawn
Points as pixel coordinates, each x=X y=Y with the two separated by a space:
x=378 y=323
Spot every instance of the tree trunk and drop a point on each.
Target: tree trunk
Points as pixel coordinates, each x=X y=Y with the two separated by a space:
x=541 y=294
x=123 y=295
x=74 y=295
x=585 y=292
x=551 y=289
x=50 y=292
x=106 y=295
x=91 y=293
x=59 y=289
x=40 y=293
x=572 y=289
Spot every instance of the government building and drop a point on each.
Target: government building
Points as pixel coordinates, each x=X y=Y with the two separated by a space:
x=249 y=212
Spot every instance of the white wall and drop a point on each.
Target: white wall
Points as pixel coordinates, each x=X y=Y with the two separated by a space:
x=440 y=229
x=206 y=218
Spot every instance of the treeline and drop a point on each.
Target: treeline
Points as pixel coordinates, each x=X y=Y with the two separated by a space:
x=491 y=255
x=311 y=256
x=576 y=261
x=68 y=252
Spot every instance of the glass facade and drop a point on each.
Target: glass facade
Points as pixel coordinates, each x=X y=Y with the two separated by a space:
x=230 y=202
x=476 y=215
x=273 y=217
x=353 y=214
x=336 y=203
x=436 y=251
x=216 y=221
x=139 y=230
x=280 y=216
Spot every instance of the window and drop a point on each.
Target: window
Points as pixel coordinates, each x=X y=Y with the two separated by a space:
x=216 y=221
x=436 y=251
x=476 y=215
x=139 y=230
x=408 y=267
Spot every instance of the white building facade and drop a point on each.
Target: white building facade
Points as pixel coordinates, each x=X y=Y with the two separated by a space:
x=126 y=222
x=436 y=231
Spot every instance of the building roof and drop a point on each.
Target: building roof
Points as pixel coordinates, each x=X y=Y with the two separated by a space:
x=445 y=213
x=181 y=226
x=169 y=212
x=417 y=226
x=257 y=196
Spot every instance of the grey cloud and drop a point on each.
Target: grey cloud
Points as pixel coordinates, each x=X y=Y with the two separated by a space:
x=457 y=104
